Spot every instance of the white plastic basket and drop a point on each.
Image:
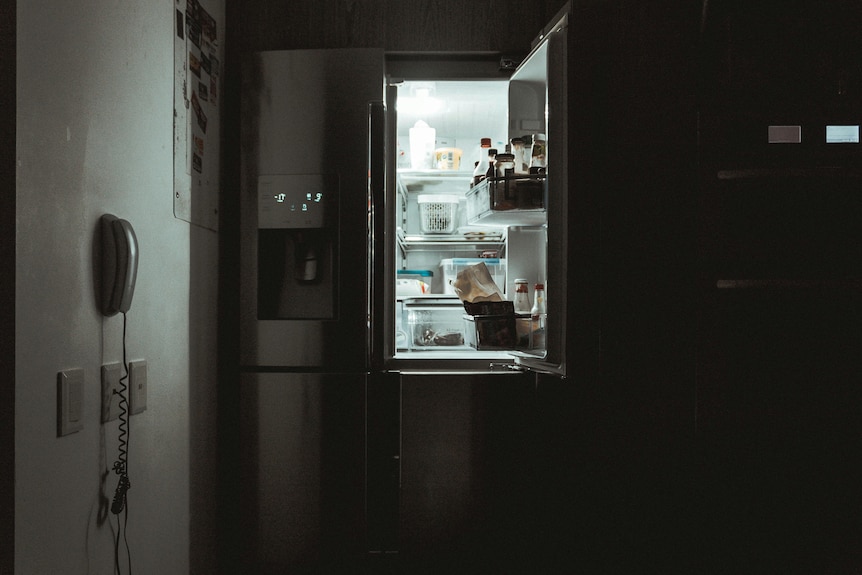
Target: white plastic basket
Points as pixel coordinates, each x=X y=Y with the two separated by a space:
x=438 y=213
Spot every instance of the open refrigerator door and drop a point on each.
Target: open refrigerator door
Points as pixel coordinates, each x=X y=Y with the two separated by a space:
x=473 y=199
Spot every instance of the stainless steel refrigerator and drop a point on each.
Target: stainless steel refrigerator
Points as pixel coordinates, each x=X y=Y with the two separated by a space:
x=340 y=461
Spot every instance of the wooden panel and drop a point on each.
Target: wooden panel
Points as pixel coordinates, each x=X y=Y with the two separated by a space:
x=779 y=430
x=404 y=25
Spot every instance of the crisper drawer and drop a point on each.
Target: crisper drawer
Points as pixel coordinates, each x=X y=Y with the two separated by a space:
x=434 y=323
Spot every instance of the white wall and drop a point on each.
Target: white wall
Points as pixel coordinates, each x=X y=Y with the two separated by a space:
x=94 y=135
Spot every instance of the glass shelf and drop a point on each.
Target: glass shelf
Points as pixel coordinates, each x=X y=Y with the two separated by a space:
x=462 y=242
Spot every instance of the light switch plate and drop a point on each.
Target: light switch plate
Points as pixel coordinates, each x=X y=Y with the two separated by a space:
x=137 y=386
x=70 y=401
x=111 y=374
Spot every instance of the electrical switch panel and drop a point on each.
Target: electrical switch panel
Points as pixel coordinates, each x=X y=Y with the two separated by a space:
x=137 y=386
x=111 y=374
x=70 y=401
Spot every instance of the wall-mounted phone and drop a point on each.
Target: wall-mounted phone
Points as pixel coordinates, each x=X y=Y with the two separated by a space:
x=119 y=264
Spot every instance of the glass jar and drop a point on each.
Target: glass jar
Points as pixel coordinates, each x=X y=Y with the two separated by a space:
x=538 y=158
x=522 y=164
x=504 y=187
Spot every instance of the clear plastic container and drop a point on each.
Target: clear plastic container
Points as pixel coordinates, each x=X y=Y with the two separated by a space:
x=450 y=267
x=434 y=323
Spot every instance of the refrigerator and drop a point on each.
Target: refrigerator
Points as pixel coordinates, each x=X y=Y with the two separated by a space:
x=373 y=413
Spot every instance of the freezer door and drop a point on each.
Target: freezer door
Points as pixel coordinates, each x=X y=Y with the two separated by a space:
x=304 y=207
x=302 y=471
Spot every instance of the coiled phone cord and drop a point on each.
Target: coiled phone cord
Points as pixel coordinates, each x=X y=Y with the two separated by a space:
x=121 y=464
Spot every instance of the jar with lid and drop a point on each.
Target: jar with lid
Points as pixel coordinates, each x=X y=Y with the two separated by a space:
x=522 y=164
x=504 y=187
x=538 y=157
x=505 y=165
x=522 y=296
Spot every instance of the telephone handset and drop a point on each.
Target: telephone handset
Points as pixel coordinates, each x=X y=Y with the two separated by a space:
x=119 y=264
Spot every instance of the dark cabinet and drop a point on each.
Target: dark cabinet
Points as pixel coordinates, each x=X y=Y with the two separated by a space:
x=468 y=475
x=779 y=429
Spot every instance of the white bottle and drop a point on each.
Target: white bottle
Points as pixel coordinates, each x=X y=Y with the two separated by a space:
x=481 y=167
x=422 y=140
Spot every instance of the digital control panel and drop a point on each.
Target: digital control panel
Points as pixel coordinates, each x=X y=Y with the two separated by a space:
x=292 y=201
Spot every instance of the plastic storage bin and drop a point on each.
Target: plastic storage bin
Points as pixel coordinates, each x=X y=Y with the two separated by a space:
x=423 y=275
x=413 y=282
x=497 y=332
x=438 y=213
x=434 y=323
x=449 y=269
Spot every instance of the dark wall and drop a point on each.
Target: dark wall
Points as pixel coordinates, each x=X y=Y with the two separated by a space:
x=411 y=25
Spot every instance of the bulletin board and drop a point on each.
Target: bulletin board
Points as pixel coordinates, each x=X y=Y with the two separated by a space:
x=198 y=56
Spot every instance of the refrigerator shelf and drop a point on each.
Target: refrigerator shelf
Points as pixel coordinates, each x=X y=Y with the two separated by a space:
x=455 y=242
x=434 y=181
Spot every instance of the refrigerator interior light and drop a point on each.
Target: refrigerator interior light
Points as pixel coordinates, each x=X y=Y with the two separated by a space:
x=420 y=99
x=419 y=104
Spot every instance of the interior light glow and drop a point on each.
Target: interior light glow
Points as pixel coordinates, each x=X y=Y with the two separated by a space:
x=418 y=105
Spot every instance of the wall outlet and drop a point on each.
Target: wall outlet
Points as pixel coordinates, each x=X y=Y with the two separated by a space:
x=111 y=374
x=137 y=386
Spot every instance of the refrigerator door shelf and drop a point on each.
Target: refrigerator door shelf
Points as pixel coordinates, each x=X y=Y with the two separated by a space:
x=508 y=201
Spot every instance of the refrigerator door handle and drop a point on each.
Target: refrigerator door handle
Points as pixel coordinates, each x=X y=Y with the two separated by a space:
x=376 y=226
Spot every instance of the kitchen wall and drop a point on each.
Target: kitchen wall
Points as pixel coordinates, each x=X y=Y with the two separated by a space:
x=94 y=136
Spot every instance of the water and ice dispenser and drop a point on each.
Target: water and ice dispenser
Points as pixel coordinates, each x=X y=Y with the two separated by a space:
x=297 y=246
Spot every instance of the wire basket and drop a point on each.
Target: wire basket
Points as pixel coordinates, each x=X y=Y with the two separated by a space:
x=438 y=214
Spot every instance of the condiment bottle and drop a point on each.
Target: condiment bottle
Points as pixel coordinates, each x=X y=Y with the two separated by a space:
x=491 y=172
x=522 y=296
x=538 y=316
x=482 y=165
